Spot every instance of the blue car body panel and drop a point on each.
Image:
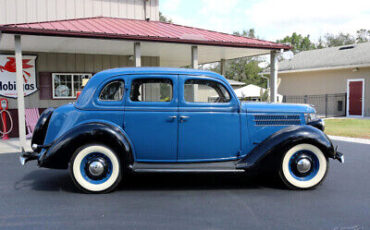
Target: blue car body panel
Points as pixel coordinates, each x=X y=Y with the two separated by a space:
x=211 y=131
x=150 y=126
x=174 y=131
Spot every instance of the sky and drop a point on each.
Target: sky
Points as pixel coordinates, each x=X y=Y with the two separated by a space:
x=271 y=19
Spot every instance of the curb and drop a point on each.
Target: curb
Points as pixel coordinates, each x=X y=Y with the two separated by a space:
x=351 y=139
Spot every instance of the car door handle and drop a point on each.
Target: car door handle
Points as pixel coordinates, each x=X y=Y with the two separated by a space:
x=171 y=118
x=183 y=118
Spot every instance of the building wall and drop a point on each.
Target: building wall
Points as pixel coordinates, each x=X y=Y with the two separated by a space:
x=323 y=82
x=74 y=63
x=25 y=11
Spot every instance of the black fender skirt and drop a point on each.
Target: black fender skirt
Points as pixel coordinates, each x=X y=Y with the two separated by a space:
x=59 y=153
x=284 y=138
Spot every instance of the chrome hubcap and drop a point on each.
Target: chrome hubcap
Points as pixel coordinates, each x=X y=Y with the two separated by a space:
x=96 y=168
x=303 y=165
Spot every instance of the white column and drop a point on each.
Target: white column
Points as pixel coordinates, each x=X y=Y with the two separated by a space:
x=273 y=76
x=194 y=57
x=137 y=54
x=223 y=67
x=20 y=93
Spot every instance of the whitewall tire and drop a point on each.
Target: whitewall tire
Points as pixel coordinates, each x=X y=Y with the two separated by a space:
x=95 y=169
x=303 y=166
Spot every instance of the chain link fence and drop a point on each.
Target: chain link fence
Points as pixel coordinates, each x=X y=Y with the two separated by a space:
x=328 y=105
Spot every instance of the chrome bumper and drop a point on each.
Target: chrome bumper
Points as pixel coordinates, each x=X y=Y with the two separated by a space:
x=340 y=157
x=27 y=156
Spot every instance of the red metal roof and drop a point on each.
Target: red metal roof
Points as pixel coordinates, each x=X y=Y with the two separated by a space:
x=130 y=29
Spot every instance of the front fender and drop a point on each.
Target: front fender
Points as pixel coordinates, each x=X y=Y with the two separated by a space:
x=61 y=150
x=279 y=141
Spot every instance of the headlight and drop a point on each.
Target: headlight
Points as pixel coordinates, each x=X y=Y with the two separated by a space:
x=310 y=117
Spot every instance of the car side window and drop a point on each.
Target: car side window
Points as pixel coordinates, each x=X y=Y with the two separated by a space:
x=113 y=91
x=151 y=90
x=205 y=91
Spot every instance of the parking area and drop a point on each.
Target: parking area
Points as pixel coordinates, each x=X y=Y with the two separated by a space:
x=34 y=198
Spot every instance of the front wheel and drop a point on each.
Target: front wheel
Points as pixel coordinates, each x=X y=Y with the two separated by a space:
x=95 y=169
x=303 y=166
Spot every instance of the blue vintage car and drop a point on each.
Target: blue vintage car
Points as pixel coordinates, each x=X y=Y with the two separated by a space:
x=177 y=120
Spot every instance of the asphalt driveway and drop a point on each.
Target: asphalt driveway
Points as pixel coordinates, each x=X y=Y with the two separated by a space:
x=33 y=198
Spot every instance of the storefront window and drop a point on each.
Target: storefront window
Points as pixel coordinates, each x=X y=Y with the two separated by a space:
x=66 y=85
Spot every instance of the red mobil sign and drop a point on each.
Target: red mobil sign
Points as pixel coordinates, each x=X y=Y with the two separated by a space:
x=8 y=85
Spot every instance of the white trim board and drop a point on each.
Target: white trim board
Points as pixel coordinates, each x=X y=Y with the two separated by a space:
x=363 y=96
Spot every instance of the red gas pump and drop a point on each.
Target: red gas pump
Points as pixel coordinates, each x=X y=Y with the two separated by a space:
x=3 y=112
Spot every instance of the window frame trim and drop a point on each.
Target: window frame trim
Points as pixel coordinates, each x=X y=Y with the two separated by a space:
x=205 y=78
x=106 y=84
x=72 y=88
x=149 y=78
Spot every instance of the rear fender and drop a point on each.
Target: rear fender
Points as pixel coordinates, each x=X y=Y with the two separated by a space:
x=41 y=128
x=61 y=150
x=278 y=142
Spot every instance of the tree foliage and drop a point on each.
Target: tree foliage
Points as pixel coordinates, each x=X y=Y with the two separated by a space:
x=362 y=35
x=339 y=39
x=298 y=42
x=302 y=43
x=246 y=33
x=163 y=18
x=246 y=70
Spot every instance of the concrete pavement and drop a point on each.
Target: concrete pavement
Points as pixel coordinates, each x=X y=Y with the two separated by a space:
x=12 y=145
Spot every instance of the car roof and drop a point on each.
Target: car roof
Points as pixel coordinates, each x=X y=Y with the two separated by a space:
x=158 y=70
x=85 y=101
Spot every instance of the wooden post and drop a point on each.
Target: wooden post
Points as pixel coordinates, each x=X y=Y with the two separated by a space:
x=273 y=76
x=20 y=92
x=223 y=67
x=326 y=105
x=137 y=54
x=194 y=57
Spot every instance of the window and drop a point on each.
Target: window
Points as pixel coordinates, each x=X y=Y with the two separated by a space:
x=205 y=91
x=66 y=85
x=113 y=91
x=151 y=90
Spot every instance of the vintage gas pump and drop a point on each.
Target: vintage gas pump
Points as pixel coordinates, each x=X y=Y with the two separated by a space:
x=3 y=112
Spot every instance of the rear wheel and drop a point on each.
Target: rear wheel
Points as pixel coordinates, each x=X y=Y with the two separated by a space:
x=303 y=166
x=95 y=169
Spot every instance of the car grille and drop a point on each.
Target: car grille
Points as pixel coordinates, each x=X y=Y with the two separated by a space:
x=277 y=120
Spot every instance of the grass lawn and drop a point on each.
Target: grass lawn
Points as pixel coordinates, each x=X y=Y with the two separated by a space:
x=348 y=127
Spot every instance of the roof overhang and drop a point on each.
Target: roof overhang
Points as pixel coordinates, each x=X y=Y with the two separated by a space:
x=170 y=54
x=116 y=36
x=322 y=69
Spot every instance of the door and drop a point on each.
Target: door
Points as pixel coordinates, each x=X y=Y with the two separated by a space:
x=151 y=117
x=355 y=97
x=209 y=124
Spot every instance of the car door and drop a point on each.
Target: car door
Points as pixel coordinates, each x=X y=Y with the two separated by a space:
x=209 y=122
x=151 y=117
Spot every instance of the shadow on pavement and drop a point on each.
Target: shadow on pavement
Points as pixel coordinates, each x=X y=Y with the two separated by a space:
x=203 y=181
x=47 y=180
x=55 y=180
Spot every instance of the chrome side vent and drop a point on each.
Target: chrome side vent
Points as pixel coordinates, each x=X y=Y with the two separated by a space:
x=277 y=120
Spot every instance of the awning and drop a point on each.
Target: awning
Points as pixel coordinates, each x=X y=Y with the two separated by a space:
x=130 y=29
x=116 y=36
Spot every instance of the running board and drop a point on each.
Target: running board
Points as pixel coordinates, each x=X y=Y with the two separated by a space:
x=229 y=166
